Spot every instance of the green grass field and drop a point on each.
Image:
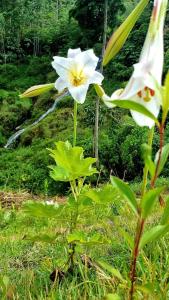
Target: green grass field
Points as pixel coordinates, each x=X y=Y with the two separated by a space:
x=26 y=264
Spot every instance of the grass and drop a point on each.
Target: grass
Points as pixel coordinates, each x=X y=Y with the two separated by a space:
x=27 y=265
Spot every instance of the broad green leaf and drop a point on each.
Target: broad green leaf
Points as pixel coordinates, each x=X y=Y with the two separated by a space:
x=164 y=157
x=165 y=216
x=70 y=163
x=165 y=98
x=42 y=210
x=37 y=90
x=80 y=237
x=129 y=104
x=147 y=156
x=127 y=193
x=104 y=195
x=149 y=200
x=114 y=272
x=77 y=236
x=120 y=36
x=153 y=234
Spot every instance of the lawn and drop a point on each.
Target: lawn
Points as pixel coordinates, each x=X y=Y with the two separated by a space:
x=27 y=262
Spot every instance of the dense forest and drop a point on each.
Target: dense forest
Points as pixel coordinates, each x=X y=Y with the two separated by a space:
x=31 y=33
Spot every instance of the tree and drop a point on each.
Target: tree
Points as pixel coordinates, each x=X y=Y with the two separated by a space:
x=90 y=17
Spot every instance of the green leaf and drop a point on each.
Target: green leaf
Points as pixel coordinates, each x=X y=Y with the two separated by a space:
x=120 y=36
x=129 y=104
x=106 y=194
x=42 y=210
x=149 y=200
x=114 y=272
x=165 y=98
x=127 y=237
x=127 y=193
x=45 y=238
x=147 y=157
x=37 y=90
x=165 y=216
x=164 y=157
x=99 y=90
x=80 y=237
x=112 y=297
x=71 y=163
x=153 y=234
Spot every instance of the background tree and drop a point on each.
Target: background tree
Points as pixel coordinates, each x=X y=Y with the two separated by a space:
x=90 y=17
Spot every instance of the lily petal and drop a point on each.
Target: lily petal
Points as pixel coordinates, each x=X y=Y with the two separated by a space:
x=72 y=53
x=153 y=106
x=88 y=59
x=79 y=93
x=62 y=66
x=96 y=78
x=60 y=84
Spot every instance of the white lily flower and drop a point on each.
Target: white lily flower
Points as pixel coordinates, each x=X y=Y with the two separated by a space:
x=77 y=72
x=143 y=86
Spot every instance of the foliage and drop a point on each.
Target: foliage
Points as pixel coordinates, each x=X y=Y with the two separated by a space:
x=90 y=17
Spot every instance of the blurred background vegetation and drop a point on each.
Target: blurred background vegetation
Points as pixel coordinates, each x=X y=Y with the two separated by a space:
x=31 y=33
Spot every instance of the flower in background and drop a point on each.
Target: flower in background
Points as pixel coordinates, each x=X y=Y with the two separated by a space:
x=77 y=72
x=145 y=82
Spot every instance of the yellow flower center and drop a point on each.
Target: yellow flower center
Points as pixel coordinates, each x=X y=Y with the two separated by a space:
x=146 y=94
x=77 y=77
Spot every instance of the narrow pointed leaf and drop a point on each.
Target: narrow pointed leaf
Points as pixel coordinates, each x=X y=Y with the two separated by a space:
x=120 y=36
x=128 y=104
x=153 y=234
x=36 y=90
x=149 y=200
x=126 y=192
x=99 y=90
x=114 y=272
x=127 y=237
x=165 y=102
x=165 y=216
x=147 y=156
x=164 y=157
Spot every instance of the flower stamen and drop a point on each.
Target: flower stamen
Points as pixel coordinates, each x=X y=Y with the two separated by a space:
x=146 y=94
x=77 y=78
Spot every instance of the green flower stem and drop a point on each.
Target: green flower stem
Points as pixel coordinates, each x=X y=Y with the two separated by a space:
x=145 y=172
x=140 y=229
x=75 y=123
x=74 y=217
x=161 y=131
x=140 y=226
x=141 y=221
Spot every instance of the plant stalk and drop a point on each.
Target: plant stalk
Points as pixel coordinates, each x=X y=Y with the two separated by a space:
x=161 y=131
x=75 y=124
x=153 y=181
x=141 y=222
x=145 y=172
x=73 y=223
x=140 y=228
